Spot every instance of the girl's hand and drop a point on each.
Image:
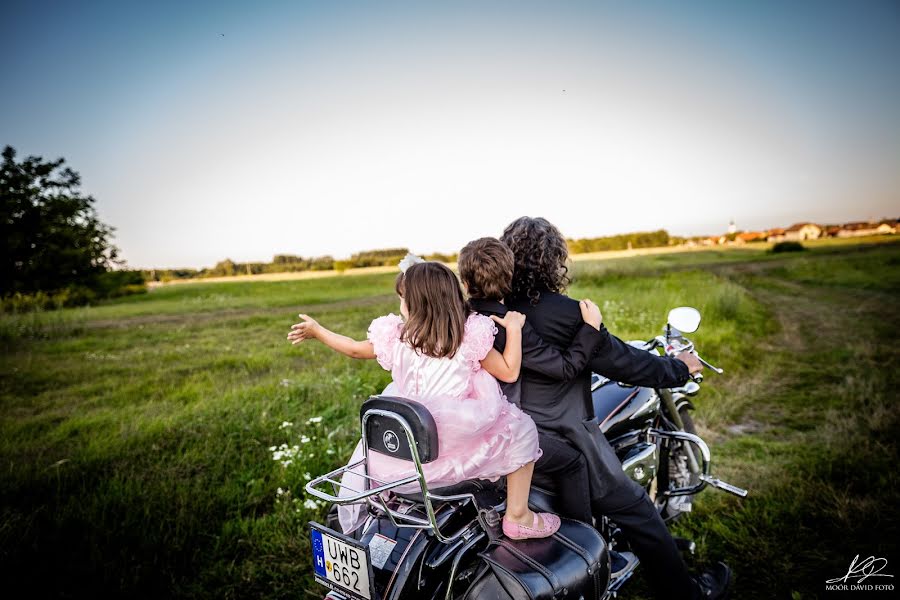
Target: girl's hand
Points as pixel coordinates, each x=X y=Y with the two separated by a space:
x=309 y=329
x=590 y=312
x=511 y=320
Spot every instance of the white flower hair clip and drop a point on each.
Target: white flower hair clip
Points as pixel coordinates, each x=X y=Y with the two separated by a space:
x=409 y=260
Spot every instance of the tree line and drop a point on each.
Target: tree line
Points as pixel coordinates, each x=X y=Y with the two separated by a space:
x=290 y=263
x=625 y=241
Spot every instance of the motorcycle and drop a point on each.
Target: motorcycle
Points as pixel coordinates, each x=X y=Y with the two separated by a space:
x=447 y=543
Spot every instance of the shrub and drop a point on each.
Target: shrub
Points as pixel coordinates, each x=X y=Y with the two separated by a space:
x=109 y=284
x=788 y=247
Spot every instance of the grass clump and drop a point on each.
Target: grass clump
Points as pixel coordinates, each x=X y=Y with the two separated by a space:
x=781 y=247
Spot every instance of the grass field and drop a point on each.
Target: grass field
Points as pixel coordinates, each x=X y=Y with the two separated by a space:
x=137 y=437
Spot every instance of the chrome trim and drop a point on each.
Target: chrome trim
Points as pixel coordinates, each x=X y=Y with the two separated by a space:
x=688 y=389
x=646 y=460
x=600 y=380
x=616 y=584
x=705 y=459
x=652 y=404
x=718 y=483
x=705 y=477
x=374 y=497
x=454 y=566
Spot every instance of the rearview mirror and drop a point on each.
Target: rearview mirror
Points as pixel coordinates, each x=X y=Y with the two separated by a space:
x=685 y=319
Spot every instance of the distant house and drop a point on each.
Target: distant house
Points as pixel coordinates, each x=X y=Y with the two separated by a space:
x=830 y=230
x=750 y=236
x=775 y=235
x=889 y=226
x=859 y=229
x=802 y=231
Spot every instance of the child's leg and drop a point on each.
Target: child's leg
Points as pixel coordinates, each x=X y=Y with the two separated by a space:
x=520 y=523
x=518 y=484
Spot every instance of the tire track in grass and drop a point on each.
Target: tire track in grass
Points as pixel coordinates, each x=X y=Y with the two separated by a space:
x=822 y=468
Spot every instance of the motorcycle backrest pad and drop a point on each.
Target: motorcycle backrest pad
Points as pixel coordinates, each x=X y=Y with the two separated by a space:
x=572 y=563
x=385 y=434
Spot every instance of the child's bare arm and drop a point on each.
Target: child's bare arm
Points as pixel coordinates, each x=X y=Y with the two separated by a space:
x=310 y=329
x=506 y=366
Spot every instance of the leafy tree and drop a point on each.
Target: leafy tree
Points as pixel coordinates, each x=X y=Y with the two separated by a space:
x=377 y=258
x=224 y=267
x=53 y=238
x=286 y=259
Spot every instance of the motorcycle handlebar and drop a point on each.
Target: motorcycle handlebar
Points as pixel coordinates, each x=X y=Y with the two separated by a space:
x=673 y=348
x=709 y=366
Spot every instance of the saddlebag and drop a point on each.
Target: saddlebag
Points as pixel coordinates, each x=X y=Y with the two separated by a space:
x=572 y=563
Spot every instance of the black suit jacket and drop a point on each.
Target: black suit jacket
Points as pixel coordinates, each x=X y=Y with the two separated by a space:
x=543 y=359
x=565 y=408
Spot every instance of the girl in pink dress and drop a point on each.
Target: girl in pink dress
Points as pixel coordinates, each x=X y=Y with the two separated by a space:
x=442 y=356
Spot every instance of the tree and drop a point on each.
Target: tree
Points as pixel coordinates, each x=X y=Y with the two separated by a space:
x=225 y=267
x=53 y=237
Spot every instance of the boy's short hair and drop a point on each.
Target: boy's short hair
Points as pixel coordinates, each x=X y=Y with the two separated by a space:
x=486 y=267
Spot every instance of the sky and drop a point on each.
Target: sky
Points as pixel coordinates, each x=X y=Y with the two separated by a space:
x=208 y=130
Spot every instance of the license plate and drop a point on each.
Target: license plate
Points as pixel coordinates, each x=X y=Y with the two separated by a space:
x=341 y=563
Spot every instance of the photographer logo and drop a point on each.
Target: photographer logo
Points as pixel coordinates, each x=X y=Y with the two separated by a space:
x=859 y=573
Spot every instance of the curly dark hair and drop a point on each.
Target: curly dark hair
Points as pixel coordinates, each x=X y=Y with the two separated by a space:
x=541 y=253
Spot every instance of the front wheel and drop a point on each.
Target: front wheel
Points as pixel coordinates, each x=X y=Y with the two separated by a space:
x=675 y=471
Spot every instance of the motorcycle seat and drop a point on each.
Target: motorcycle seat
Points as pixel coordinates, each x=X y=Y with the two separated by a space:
x=543 y=500
x=471 y=486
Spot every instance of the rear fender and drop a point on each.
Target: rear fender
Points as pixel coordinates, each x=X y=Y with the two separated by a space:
x=399 y=564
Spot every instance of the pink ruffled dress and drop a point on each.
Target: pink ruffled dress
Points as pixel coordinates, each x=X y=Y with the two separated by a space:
x=481 y=435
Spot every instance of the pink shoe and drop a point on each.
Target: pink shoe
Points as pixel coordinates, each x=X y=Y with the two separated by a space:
x=516 y=531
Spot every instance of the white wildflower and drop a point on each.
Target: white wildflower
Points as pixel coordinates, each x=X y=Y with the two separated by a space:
x=286 y=424
x=304 y=439
x=314 y=420
x=310 y=504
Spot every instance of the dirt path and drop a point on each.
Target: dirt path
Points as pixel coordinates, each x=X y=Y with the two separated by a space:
x=819 y=451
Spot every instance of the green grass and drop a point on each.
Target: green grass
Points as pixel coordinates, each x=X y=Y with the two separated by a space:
x=135 y=436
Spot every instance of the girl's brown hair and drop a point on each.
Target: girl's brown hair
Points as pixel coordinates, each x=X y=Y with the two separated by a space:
x=437 y=309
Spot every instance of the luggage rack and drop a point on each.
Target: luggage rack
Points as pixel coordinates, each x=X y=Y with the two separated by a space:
x=377 y=414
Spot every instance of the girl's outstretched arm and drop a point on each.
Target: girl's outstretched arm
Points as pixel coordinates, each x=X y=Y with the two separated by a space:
x=506 y=366
x=310 y=329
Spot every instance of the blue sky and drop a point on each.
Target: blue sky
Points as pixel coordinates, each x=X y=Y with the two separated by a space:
x=328 y=128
